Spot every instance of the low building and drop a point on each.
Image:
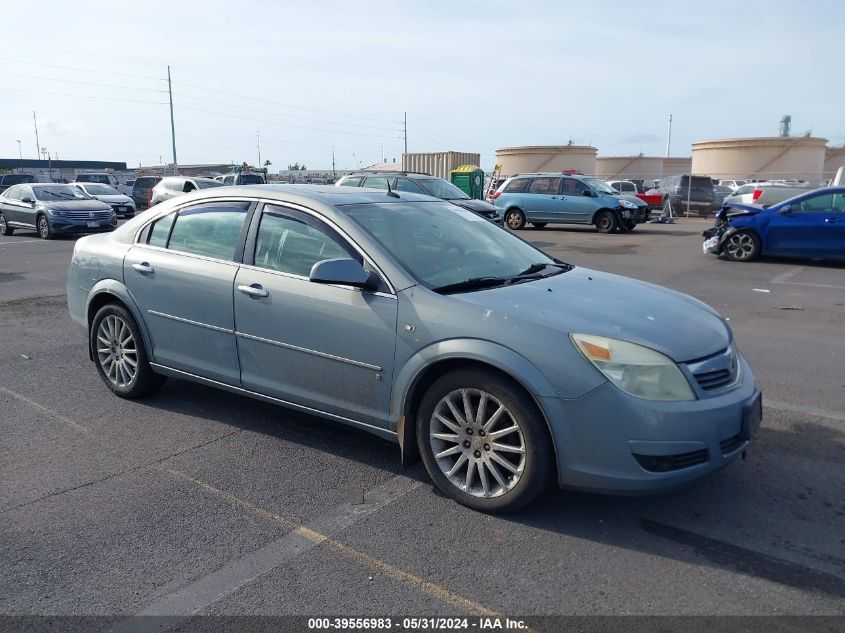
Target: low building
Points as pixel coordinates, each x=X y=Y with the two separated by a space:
x=438 y=164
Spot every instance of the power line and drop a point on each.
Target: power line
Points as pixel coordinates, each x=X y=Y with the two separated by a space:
x=64 y=94
x=86 y=83
x=84 y=70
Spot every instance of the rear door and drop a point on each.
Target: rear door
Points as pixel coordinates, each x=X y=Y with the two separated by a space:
x=543 y=200
x=321 y=346
x=814 y=226
x=181 y=274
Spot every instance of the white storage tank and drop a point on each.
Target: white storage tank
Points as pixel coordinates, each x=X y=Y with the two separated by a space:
x=534 y=158
x=624 y=167
x=677 y=165
x=834 y=158
x=438 y=164
x=767 y=157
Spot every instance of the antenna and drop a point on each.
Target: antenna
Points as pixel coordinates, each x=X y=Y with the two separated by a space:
x=390 y=191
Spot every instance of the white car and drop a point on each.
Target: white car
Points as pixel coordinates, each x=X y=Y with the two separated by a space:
x=122 y=204
x=733 y=185
x=764 y=194
x=624 y=186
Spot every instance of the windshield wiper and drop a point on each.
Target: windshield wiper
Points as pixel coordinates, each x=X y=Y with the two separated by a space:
x=473 y=283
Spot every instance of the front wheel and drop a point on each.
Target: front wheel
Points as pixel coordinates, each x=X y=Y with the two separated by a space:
x=606 y=222
x=515 y=219
x=44 y=230
x=483 y=441
x=5 y=229
x=118 y=351
x=742 y=246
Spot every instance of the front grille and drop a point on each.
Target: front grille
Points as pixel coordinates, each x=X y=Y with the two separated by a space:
x=715 y=372
x=712 y=380
x=666 y=463
x=88 y=215
x=731 y=444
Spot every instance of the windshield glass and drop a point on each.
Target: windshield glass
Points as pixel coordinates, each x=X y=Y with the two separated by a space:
x=599 y=185
x=56 y=193
x=101 y=190
x=251 y=179
x=441 y=244
x=207 y=184
x=16 y=179
x=442 y=189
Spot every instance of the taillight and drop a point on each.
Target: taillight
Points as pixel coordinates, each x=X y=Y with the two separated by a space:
x=149 y=196
x=756 y=195
x=496 y=195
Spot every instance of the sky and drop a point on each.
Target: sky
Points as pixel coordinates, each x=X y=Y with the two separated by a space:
x=472 y=77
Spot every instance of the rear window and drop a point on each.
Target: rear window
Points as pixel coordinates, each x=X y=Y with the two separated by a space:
x=355 y=181
x=145 y=183
x=16 y=179
x=518 y=185
x=251 y=179
x=698 y=182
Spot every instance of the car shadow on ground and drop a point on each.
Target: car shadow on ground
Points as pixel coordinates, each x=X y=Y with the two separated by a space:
x=655 y=525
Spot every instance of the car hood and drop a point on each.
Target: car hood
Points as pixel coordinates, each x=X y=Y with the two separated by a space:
x=731 y=209
x=115 y=199
x=76 y=205
x=633 y=199
x=592 y=302
x=479 y=206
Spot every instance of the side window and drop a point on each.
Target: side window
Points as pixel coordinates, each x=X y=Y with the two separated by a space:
x=160 y=231
x=13 y=192
x=229 y=180
x=189 y=186
x=823 y=202
x=628 y=187
x=546 y=186
x=211 y=230
x=519 y=185
x=376 y=182
x=355 y=181
x=572 y=187
x=291 y=244
x=405 y=184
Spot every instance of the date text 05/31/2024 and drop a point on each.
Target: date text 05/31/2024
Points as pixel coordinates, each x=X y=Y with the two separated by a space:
x=416 y=624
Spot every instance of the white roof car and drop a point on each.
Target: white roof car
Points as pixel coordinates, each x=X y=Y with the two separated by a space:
x=121 y=203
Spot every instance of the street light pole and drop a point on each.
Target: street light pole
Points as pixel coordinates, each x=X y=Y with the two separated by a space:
x=20 y=151
x=172 y=124
x=37 y=142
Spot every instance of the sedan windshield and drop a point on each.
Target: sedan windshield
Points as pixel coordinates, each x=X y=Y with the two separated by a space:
x=53 y=193
x=207 y=184
x=444 y=246
x=600 y=185
x=442 y=189
x=101 y=190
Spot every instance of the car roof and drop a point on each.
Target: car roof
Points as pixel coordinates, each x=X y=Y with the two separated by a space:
x=393 y=172
x=326 y=194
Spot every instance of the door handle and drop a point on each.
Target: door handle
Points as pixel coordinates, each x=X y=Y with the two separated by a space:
x=255 y=291
x=144 y=268
x=830 y=220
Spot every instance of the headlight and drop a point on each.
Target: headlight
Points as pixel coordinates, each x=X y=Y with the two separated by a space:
x=57 y=214
x=626 y=204
x=635 y=369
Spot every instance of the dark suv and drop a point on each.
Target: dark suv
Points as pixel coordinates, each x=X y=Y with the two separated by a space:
x=426 y=184
x=679 y=189
x=141 y=189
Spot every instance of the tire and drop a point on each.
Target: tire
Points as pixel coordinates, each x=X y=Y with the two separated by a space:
x=742 y=246
x=43 y=226
x=514 y=219
x=606 y=221
x=539 y=225
x=5 y=229
x=510 y=479
x=626 y=226
x=116 y=342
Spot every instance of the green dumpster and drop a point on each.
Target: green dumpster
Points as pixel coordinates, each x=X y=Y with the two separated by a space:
x=470 y=180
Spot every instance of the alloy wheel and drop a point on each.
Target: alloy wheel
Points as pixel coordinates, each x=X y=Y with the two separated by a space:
x=117 y=351
x=740 y=246
x=43 y=227
x=477 y=443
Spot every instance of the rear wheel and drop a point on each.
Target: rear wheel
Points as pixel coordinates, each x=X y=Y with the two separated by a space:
x=606 y=221
x=742 y=246
x=118 y=351
x=539 y=225
x=5 y=229
x=44 y=230
x=483 y=441
x=515 y=219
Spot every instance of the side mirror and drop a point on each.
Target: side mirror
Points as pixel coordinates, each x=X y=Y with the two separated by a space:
x=27 y=200
x=787 y=210
x=588 y=193
x=344 y=272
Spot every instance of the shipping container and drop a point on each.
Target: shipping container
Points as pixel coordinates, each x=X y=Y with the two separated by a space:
x=438 y=164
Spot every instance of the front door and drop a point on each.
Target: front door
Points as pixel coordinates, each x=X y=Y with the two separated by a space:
x=181 y=274
x=812 y=226
x=324 y=347
x=576 y=206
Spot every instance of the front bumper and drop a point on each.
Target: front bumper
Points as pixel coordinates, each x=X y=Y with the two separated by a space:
x=59 y=224
x=608 y=441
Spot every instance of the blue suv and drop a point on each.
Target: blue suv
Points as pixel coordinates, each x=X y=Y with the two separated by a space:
x=567 y=199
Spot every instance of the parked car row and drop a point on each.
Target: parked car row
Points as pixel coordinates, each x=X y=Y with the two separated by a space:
x=52 y=209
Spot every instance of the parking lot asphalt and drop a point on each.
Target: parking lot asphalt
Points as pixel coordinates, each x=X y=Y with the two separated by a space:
x=199 y=501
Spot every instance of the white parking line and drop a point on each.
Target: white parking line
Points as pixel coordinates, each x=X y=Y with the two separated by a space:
x=789 y=274
x=805 y=409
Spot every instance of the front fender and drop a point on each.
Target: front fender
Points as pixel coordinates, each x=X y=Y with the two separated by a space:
x=487 y=352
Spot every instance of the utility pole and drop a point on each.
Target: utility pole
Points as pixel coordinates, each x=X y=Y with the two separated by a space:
x=20 y=152
x=669 y=137
x=258 y=137
x=406 y=132
x=37 y=142
x=172 y=124
x=334 y=176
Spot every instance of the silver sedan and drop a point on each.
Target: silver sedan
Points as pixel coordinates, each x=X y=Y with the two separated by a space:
x=502 y=367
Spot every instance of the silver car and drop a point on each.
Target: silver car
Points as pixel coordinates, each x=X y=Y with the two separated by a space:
x=122 y=204
x=416 y=320
x=174 y=186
